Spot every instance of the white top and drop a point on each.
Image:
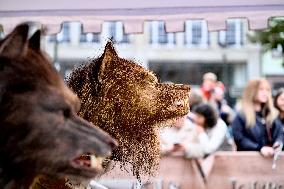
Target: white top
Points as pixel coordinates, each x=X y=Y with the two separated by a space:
x=173 y=135
x=207 y=142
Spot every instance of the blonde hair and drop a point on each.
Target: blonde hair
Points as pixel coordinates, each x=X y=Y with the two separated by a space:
x=248 y=100
x=210 y=76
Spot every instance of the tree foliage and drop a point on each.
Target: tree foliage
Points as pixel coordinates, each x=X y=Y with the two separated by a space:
x=271 y=38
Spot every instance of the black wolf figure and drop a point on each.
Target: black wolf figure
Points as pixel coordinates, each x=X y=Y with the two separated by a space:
x=40 y=132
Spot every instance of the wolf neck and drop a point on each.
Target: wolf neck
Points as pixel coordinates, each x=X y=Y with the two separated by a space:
x=7 y=182
x=36 y=182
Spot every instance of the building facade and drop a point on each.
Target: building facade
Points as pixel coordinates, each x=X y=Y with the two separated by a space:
x=181 y=57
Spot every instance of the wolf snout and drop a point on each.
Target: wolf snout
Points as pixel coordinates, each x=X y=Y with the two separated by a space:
x=181 y=103
x=182 y=87
x=112 y=143
x=95 y=133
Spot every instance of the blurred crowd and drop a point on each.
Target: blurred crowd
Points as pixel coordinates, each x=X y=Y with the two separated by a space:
x=257 y=124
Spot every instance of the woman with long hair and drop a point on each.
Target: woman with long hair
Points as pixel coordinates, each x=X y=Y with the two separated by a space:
x=279 y=103
x=255 y=128
x=209 y=134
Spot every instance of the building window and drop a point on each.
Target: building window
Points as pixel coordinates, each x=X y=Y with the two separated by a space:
x=51 y=38
x=196 y=33
x=115 y=31
x=63 y=36
x=89 y=37
x=158 y=35
x=231 y=33
x=1 y=32
x=234 y=35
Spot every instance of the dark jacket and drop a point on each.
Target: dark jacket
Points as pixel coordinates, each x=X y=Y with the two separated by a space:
x=254 y=138
x=281 y=121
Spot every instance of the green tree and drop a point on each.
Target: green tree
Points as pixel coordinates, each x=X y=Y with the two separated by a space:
x=271 y=38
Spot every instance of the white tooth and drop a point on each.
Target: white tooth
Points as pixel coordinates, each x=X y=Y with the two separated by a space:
x=100 y=160
x=81 y=163
x=93 y=161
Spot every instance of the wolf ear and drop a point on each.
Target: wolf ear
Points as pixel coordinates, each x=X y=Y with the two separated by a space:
x=109 y=49
x=14 y=44
x=34 y=41
x=108 y=56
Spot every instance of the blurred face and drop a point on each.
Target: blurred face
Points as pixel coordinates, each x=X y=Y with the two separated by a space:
x=179 y=122
x=199 y=119
x=263 y=93
x=218 y=93
x=280 y=102
x=208 y=84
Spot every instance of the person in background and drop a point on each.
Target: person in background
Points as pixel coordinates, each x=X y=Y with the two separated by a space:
x=254 y=128
x=179 y=132
x=210 y=133
x=181 y=129
x=208 y=85
x=279 y=105
x=218 y=101
x=195 y=98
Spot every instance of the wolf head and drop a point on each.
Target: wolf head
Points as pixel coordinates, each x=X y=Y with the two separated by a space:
x=128 y=102
x=40 y=132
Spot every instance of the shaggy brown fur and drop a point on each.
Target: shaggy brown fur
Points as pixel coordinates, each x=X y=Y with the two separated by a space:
x=126 y=100
x=40 y=132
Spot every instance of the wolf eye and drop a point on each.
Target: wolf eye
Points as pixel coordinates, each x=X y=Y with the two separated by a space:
x=67 y=112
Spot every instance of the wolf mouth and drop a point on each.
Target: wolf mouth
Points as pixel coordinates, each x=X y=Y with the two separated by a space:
x=181 y=103
x=88 y=161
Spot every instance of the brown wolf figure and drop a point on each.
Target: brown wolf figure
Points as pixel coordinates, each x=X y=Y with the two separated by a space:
x=129 y=103
x=40 y=132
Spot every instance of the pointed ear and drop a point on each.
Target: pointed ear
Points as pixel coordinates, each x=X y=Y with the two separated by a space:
x=34 y=41
x=109 y=49
x=14 y=44
x=108 y=56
